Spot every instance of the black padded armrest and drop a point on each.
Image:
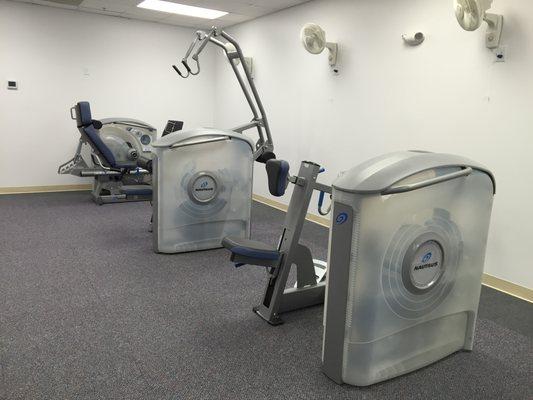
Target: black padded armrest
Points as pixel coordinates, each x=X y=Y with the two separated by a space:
x=251 y=249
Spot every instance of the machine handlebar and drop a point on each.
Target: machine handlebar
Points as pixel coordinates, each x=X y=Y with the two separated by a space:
x=233 y=51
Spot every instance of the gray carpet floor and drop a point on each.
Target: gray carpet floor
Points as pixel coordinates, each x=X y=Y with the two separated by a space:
x=88 y=311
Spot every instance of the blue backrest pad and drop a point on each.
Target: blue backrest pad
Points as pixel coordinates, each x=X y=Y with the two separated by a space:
x=94 y=137
x=83 y=114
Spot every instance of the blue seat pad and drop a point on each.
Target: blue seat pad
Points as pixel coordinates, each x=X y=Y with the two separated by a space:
x=250 y=248
x=136 y=190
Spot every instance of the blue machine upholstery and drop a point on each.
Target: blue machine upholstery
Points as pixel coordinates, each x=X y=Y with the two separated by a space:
x=84 y=117
x=278 y=173
x=136 y=190
x=86 y=126
x=250 y=248
x=92 y=134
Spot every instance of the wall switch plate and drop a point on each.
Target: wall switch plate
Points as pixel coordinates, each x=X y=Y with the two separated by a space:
x=500 y=54
x=12 y=85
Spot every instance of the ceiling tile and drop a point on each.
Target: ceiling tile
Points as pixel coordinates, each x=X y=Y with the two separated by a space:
x=103 y=5
x=239 y=10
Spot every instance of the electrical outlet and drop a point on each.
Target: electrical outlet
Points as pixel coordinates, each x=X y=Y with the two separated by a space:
x=500 y=54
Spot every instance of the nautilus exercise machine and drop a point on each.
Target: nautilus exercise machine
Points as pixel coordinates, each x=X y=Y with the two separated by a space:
x=405 y=261
x=203 y=177
x=120 y=155
x=406 y=252
x=310 y=274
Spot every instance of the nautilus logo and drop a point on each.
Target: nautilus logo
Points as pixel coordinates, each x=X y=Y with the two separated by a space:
x=203 y=188
x=426 y=257
x=341 y=218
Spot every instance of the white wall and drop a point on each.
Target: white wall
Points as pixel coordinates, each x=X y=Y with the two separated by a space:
x=446 y=95
x=129 y=63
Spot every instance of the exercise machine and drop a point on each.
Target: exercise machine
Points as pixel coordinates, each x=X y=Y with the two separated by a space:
x=203 y=177
x=406 y=254
x=310 y=274
x=405 y=261
x=120 y=155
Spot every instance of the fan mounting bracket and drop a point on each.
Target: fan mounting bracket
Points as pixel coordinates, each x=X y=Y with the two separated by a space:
x=494 y=30
x=333 y=53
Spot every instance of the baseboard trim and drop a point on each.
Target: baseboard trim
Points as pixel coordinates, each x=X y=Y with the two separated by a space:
x=493 y=282
x=507 y=287
x=283 y=207
x=44 y=189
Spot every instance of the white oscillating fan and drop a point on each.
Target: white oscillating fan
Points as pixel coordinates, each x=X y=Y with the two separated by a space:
x=314 y=41
x=471 y=13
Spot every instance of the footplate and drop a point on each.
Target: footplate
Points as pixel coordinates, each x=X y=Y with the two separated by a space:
x=70 y=165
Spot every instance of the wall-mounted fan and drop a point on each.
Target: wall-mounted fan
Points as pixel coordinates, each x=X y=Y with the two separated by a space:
x=314 y=40
x=471 y=14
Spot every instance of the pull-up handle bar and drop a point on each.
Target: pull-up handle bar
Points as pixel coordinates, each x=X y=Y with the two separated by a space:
x=264 y=145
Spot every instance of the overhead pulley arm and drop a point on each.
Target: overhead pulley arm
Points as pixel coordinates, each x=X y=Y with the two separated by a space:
x=232 y=50
x=185 y=60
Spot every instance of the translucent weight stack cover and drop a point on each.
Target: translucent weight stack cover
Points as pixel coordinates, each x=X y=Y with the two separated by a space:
x=117 y=135
x=203 y=189
x=414 y=264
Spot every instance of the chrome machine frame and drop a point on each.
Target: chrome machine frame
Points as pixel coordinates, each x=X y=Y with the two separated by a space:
x=310 y=273
x=264 y=146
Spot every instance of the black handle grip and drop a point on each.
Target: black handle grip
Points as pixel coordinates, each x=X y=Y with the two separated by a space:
x=177 y=70
x=186 y=66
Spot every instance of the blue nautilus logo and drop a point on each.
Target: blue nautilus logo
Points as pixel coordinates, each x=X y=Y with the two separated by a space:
x=341 y=218
x=426 y=257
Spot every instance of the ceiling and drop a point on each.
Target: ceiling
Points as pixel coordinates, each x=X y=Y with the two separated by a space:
x=238 y=10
